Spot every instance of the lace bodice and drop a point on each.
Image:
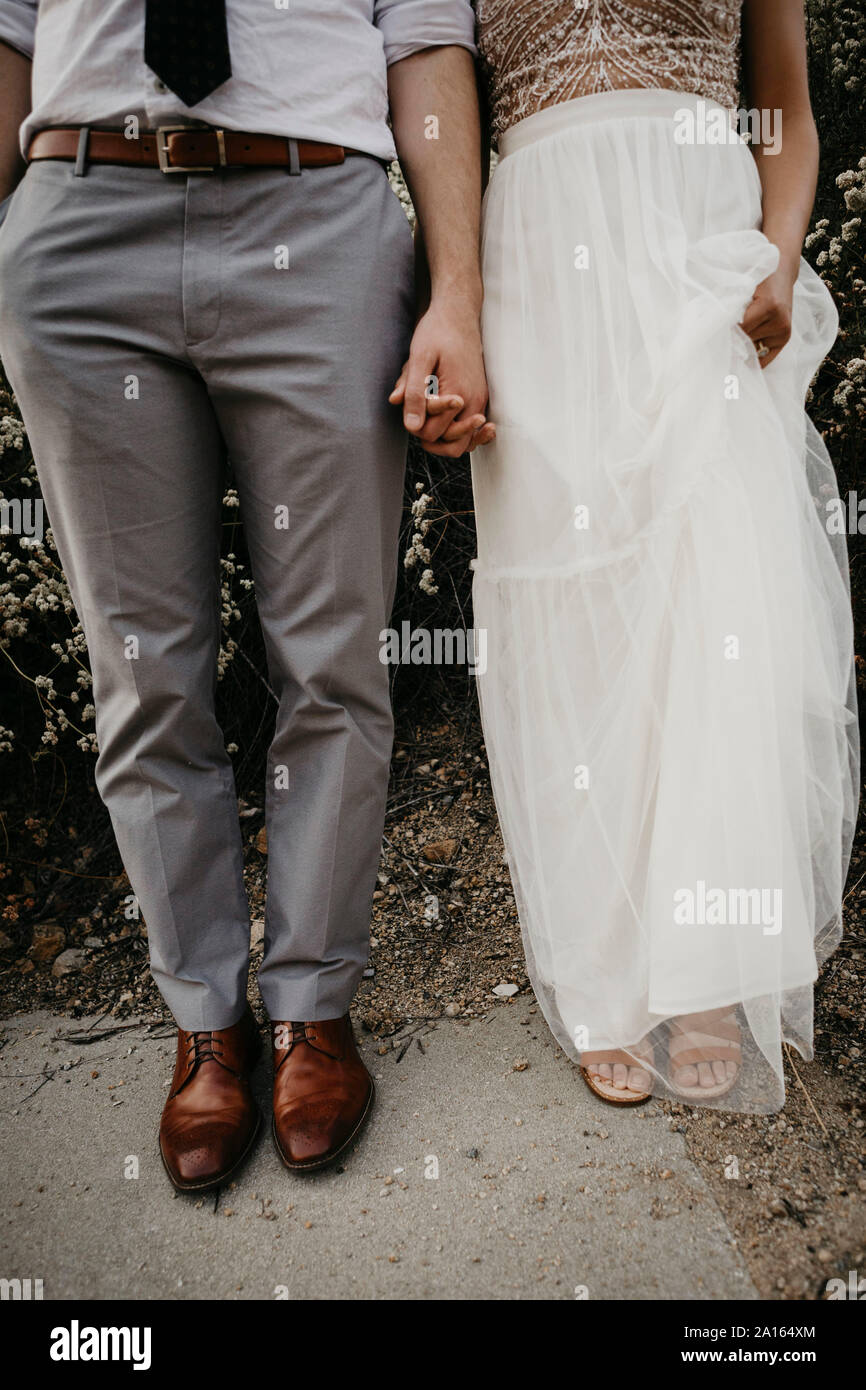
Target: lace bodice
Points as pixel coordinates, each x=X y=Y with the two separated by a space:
x=540 y=52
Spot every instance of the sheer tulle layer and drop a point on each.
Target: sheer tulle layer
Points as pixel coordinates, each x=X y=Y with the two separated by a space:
x=668 y=704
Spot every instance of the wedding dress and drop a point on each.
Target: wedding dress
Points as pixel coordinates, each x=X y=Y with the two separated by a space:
x=668 y=703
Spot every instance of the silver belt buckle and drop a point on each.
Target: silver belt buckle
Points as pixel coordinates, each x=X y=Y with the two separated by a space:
x=162 y=149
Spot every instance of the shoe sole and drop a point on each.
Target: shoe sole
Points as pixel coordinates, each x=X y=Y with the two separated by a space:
x=317 y=1164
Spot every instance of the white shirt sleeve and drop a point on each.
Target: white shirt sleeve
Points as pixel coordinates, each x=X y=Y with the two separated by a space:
x=18 y=24
x=407 y=26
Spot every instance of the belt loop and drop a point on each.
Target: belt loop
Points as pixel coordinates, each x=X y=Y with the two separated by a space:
x=81 y=155
x=294 y=158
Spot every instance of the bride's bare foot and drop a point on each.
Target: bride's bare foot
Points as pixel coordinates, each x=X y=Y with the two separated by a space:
x=705 y=1053
x=615 y=1076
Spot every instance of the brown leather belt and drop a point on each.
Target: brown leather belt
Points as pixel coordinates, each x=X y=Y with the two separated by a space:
x=183 y=149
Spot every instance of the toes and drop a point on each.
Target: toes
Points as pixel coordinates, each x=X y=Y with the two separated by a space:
x=602 y=1070
x=623 y=1076
x=705 y=1075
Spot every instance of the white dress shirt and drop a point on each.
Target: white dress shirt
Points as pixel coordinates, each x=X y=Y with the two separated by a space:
x=303 y=68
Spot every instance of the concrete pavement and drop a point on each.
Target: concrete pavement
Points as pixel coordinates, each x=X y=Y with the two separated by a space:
x=488 y=1171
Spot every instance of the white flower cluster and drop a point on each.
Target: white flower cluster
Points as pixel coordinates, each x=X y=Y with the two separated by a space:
x=398 y=184
x=837 y=41
x=840 y=260
x=11 y=434
x=38 y=623
x=34 y=596
x=418 y=552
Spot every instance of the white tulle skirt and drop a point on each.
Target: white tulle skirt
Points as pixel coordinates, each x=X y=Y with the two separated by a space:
x=668 y=703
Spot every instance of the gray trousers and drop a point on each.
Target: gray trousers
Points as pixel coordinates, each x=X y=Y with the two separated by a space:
x=149 y=329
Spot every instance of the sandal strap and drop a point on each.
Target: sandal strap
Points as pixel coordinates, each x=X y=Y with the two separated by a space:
x=691 y=1056
x=618 y=1057
x=716 y=1041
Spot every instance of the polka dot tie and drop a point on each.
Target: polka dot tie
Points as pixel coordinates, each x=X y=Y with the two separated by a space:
x=186 y=44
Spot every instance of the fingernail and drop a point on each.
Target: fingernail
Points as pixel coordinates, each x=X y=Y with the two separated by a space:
x=413 y=421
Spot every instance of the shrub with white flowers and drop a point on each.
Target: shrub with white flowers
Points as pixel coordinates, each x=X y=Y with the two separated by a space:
x=43 y=652
x=42 y=644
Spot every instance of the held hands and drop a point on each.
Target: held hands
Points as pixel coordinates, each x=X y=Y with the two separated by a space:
x=767 y=320
x=449 y=420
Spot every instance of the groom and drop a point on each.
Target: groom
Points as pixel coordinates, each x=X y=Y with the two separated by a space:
x=205 y=261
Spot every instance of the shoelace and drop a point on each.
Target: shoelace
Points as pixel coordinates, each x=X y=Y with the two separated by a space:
x=287 y=1034
x=204 y=1047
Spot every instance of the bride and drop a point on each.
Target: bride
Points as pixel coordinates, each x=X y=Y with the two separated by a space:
x=668 y=704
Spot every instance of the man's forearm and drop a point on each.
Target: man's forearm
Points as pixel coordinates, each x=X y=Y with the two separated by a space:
x=14 y=106
x=434 y=113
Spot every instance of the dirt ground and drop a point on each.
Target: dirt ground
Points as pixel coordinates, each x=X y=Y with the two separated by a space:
x=446 y=941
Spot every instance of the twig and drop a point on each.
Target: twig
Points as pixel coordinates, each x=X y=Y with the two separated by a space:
x=56 y=869
x=99 y=1019
x=432 y=795
x=410 y=866
x=257 y=673
x=805 y=1092
x=83 y=1037
x=45 y=1079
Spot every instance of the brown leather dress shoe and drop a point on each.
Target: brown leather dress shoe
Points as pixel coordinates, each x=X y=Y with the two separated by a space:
x=210 y=1119
x=323 y=1093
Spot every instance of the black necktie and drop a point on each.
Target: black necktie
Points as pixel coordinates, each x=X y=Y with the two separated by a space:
x=186 y=43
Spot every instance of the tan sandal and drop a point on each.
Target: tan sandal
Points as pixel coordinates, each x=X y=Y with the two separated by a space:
x=709 y=1037
x=605 y=1089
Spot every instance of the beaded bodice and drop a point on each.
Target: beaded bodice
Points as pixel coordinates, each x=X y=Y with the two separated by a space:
x=537 y=53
